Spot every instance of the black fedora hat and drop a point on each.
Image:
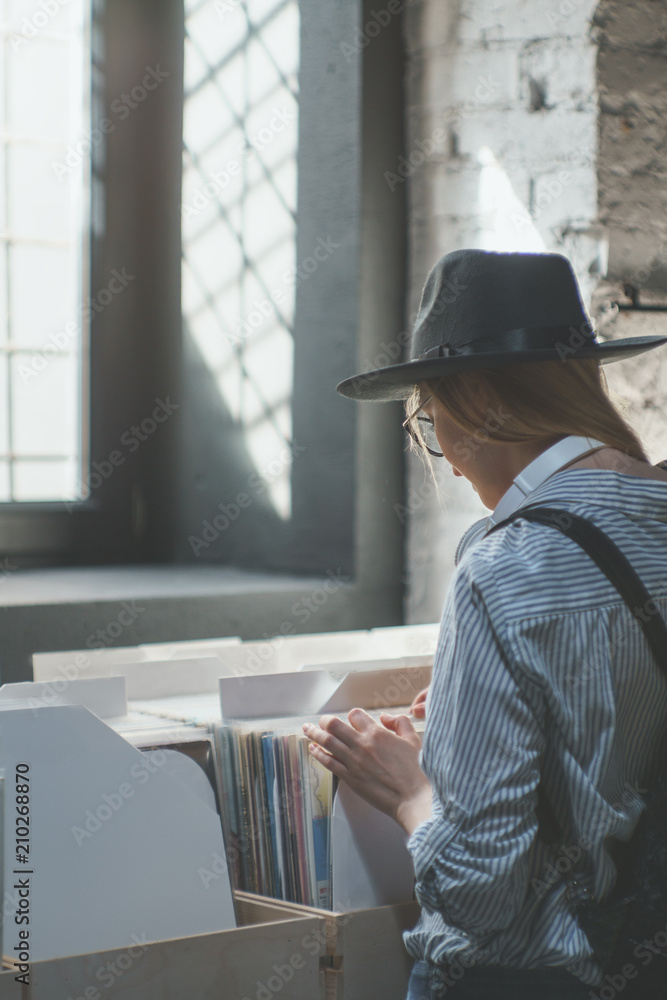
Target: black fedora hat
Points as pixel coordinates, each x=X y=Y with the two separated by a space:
x=481 y=309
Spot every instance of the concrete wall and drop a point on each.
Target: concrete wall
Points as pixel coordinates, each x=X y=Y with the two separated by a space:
x=516 y=114
x=632 y=165
x=632 y=203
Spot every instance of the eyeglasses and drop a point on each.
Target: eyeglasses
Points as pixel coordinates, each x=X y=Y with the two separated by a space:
x=424 y=433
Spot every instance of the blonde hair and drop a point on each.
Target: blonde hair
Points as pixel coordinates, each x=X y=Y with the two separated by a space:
x=536 y=401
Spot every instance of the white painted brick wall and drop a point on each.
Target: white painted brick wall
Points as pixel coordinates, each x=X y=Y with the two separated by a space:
x=524 y=20
x=564 y=196
x=565 y=66
x=517 y=136
x=471 y=77
x=442 y=190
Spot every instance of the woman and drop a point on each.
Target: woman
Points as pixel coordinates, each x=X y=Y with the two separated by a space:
x=541 y=676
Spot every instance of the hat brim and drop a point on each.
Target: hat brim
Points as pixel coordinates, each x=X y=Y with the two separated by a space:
x=397 y=381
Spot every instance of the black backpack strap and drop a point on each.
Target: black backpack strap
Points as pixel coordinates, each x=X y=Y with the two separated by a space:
x=613 y=564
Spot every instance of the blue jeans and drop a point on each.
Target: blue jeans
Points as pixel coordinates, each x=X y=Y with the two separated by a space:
x=489 y=982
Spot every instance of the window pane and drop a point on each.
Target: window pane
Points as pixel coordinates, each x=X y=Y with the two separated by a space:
x=39 y=319
x=240 y=133
x=3 y=304
x=43 y=480
x=44 y=405
x=44 y=171
x=4 y=421
x=34 y=109
x=38 y=207
x=4 y=481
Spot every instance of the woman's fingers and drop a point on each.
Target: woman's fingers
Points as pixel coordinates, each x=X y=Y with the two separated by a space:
x=338 y=738
x=378 y=760
x=339 y=733
x=391 y=721
x=327 y=760
x=360 y=720
x=418 y=706
x=402 y=726
x=365 y=752
x=335 y=744
x=328 y=737
x=344 y=741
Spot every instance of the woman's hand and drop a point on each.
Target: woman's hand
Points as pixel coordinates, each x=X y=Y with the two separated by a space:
x=418 y=706
x=379 y=762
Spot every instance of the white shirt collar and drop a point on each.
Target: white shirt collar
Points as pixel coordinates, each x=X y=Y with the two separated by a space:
x=538 y=471
x=527 y=482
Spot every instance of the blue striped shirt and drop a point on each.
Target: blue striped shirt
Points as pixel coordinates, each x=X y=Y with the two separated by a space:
x=581 y=710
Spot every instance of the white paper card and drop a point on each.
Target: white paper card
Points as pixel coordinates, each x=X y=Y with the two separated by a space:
x=371 y=864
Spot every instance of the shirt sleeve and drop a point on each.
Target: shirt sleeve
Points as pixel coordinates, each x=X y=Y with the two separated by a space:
x=481 y=752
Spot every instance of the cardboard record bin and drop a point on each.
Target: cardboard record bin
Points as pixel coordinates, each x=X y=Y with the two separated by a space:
x=277 y=954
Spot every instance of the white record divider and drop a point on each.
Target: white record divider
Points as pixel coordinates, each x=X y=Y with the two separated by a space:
x=187 y=648
x=168 y=678
x=104 y=696
x=75 y=664
x=143 y=678
x=117 y=839
x=279 y=655
x=284 y=654
x=275 y=654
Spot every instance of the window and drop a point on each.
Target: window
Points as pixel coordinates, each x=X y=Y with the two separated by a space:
x=239 y=177
x=44 y=165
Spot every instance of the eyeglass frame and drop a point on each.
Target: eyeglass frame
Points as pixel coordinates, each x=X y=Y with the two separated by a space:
x=413 y=434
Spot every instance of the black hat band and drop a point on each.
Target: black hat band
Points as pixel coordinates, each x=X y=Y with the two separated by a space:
x=521 y=339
